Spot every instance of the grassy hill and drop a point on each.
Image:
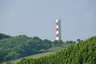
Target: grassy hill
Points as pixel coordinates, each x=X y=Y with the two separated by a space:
x=50 y=51
x=83 y=52
x=20 y=46
x=14 y=47
x=31 y=56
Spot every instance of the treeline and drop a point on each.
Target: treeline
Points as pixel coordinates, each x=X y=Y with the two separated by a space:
x=3 y=36
x=13 y=47
x=20 y=46
x=83 y=52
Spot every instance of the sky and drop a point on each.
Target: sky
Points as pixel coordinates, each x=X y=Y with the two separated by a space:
x=38 y=17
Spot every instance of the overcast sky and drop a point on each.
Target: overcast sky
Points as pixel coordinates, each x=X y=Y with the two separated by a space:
x=37 y=18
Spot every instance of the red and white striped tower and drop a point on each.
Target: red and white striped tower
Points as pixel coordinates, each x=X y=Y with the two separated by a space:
x=58 y=29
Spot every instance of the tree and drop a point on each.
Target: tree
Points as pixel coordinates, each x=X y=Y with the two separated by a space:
x=46 y=44
x=80 y=53
x=21 y=46
x=2 y=36
x=78 y=40
x=59 y=43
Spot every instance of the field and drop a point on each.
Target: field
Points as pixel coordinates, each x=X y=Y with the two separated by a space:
x=51 y=51
x=35 y=56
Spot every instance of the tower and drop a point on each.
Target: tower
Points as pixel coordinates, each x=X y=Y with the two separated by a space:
x=58 y=29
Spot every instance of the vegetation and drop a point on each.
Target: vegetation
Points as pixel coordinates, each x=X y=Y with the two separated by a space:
x=13 y=47
x=3 y=36
x=21 y=46
x=83 y=52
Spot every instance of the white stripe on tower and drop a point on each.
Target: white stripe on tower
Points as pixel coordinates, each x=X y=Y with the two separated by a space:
x=57 y=29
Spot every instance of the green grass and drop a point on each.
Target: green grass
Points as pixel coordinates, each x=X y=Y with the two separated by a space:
x=32 y=56
x=51 y=51
x=40 y=55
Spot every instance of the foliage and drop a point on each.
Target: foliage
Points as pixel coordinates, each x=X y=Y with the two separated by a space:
x=2 y=36
x=21 y=46
x=8 y=62
x=13 y=47
x=57 y=43
x=83 y=52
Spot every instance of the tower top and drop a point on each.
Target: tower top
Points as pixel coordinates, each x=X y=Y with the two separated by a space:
x=58 y=20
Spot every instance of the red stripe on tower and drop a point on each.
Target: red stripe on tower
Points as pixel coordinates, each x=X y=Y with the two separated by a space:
x=56 y=23
x=58 y=30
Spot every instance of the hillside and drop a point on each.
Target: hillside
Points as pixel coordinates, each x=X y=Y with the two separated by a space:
x=16 y=47
x=4 y=36
x=83 y=52
x=49 y=52
x=21 y=46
